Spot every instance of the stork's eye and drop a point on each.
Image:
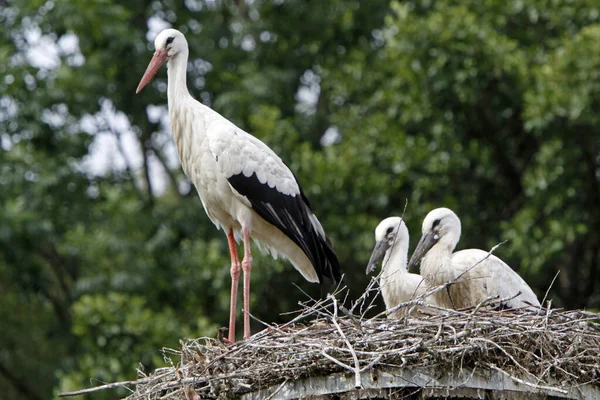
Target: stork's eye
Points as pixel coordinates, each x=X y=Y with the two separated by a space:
x=170 y=40
x=390 y=230
x=435 y=223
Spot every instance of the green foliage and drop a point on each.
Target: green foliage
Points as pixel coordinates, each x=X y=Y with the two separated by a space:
x=487 y=107
x=118 y=323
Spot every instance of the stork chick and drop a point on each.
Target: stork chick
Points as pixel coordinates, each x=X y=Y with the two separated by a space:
x=491 y=277
x=397 y=284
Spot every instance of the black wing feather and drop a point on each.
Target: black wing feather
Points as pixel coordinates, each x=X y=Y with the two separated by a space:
x=291 y=215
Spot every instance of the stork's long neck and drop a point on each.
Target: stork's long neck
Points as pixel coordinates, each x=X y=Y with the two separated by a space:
x=182 y=111
x=395 y=261
x=436 y=265
x=176 y=71
x=393 y=275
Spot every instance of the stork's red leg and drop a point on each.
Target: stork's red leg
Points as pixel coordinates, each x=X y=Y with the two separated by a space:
x=235 y=278
x=247 y=268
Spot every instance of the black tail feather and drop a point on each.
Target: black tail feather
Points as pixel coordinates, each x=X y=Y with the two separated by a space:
x=292 y=216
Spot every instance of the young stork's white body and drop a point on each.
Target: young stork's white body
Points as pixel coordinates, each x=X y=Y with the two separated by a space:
x=245 y=188
x=397 y=284
x=491 y=277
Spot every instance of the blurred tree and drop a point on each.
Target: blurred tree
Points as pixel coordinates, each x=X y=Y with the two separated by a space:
x=489 y=108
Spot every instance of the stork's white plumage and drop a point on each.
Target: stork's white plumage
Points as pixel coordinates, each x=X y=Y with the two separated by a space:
x=397 y=284
x=244 y=186
x=491 y=277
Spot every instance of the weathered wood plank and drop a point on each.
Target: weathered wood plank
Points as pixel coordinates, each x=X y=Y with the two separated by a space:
x=395 y=382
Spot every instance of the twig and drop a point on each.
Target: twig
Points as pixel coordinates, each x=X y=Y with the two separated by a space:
x=533 y=385
x=421 y=303
x=459 y=276
x=506 y=353
x=481 y=303
x=371 y=364
x=278 y=389
x=338 y=362
x=357 y=380
x=104 y=387
x=549 y=287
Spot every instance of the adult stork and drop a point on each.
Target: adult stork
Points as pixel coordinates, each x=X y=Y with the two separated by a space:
x=244 y=186
x=397 y=284
x=491 y=277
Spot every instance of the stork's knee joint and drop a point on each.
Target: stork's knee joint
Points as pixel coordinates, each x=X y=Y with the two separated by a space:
x=235 y=270
x=247 y=264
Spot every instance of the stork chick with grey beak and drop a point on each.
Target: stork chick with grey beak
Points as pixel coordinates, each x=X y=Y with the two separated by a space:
x=245 y=188
x=396 y=283
x=491 y=277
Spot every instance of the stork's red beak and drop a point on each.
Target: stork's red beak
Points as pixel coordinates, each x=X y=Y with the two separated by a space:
x=159 y=58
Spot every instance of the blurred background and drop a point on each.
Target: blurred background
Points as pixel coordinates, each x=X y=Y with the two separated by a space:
x=491 y=108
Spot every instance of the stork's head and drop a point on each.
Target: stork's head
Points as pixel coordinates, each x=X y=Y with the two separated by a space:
x=440 y=227
x=390 y=235
x=168 y=44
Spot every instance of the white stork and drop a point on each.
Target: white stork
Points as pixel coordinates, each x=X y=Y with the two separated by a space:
x=397 y=284
x=244 y=186
x=492 y=277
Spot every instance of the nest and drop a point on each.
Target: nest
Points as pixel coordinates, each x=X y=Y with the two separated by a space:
x=544 y=351
x=548 y=350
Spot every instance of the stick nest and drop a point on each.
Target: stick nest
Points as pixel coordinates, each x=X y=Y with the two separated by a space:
x=546 y=349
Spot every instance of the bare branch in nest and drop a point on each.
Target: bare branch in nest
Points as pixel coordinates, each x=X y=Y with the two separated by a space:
x=549 y=287
x=357 y=381
x=105 y=387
